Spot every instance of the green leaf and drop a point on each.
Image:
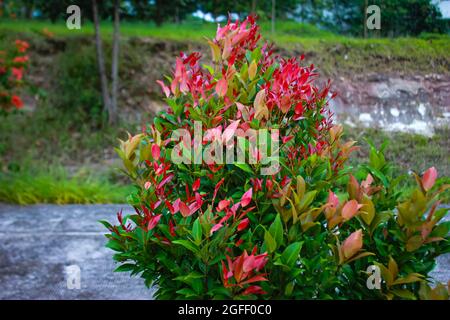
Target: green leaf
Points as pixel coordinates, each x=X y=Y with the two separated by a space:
x=114 y=245
x=177 y=108
x=187 y=292
x=106 y=224
x=403 y=293
x=289 y=288
x=269 y=242
x=441 y=230
x=197 y=231
x=244 y=166
x=377 y=173
x=187 y=244
x=412 y=277
x=125 y=267
x=276 y=231
x=359 y=256
x=306 y=200
x=291 y=253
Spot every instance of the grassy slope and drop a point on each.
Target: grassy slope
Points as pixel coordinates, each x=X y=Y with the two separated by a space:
x=333 y=53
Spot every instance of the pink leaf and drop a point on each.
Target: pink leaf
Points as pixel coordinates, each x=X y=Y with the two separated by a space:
x=154 y=221
x=164 y=87
x=216 y=227
x=176 y=206
x=333 y=199
x=350 y=209
x=429 y=178
x=193 y=207
x=165 y=180
x=222 y=205
x=229 y=131
x=352 y=244
x=246 y=197
x=222 y=87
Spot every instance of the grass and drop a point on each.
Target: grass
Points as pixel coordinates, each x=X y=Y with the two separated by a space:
x=334 y=54
x=406 y=150
x=56 y=186
x=192 y=30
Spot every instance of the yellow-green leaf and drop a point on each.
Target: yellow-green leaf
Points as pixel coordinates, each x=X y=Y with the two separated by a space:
x=414 y=243
x=252 y=70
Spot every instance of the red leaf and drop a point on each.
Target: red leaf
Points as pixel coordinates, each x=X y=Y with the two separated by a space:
x=255 y=279
x=216 y=188
x=172 y=229
x=17 y=102
x=184 y=209
x=286 y=139
x=238 y=265
x=155 y=151
x=253 y=290
x=243 y=224
x=196 y=185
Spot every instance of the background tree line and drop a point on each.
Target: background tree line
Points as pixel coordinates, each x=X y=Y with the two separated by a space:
x=399 y=17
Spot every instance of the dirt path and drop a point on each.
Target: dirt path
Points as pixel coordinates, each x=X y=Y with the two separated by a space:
x=39 y=243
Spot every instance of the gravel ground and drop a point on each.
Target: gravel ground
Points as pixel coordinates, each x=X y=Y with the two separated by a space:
x=43 y=246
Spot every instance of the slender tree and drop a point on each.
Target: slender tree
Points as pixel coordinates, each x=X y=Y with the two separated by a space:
x=109 y=99
x=253 y=9
x=273 y=15
x=100 y=58
x=115 y=65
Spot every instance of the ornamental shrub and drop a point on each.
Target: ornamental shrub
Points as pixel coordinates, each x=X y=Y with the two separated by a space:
x=13 y=62
x=304 y=228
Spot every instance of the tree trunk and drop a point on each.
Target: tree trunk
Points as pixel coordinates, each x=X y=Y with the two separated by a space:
x=253 y=10
x=365 y=19
x=273 y=16
x=115 y=66
x=100 y=60
x=29 y=6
